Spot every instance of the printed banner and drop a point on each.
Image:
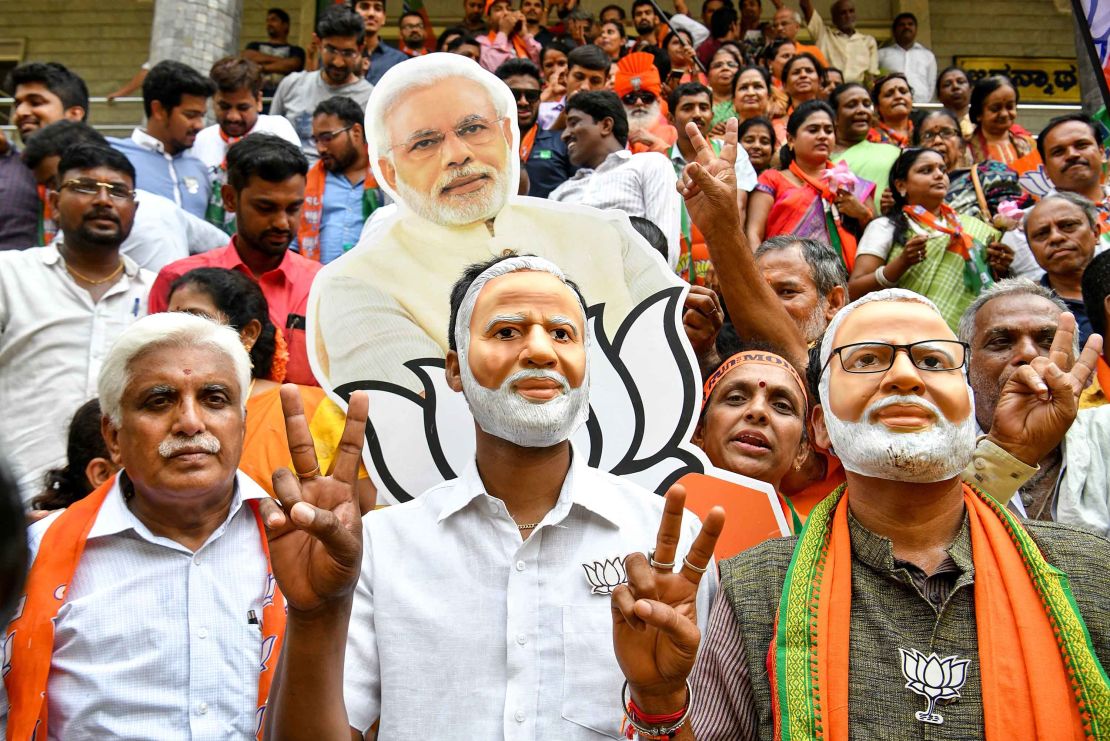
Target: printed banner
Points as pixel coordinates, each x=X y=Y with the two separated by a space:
x=1039 y=79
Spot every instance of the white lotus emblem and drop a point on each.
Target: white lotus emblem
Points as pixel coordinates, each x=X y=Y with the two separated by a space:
x=605 y=576
x=934 y=678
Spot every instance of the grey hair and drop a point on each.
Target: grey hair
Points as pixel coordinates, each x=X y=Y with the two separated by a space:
x=167 y=329
x=1008 y=287
x=1082 y=202
x=887 y=294
x=825 y=266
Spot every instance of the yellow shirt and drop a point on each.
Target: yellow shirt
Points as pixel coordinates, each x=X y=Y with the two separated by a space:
x=854 y=55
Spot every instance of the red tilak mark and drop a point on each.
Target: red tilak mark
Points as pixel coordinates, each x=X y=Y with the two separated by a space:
x=762 y=384
x=188 y=372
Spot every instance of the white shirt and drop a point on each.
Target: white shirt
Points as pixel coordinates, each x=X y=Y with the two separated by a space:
x=210 y=148
x=638 y=184
x=152 y=641
x=917 y=63
x=462 y=630
x=746 y=179
x=53 y=339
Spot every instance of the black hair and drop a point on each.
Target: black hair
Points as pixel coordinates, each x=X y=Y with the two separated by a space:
x=728 y=344
x=618 y=24
x=1082 y=118
x=751 y=123
x=460 y=41
x=169 y=80
x=343 y=108
x=982 y=89
x=89 y=156
x=945 y=71
x=834 y=96
x=769 y=52
x=339 y=21
x=944 y=112
x=239 y=299
x=687 y=89
x=600 y=105
x=57 y=78
x=68 y=484
x=799 y=117
x=900 y=16
x=837 y=70
x=618 y=8
x=589 y=56
x=281 y=14
x=519 y=66
x=13 y=545
x=1096 y=287
x=449 y=31
x=557 y=46
x=407 y=13
x=722 y=20
x=900 y=170
x=638 y=3
x=269 y=157
x=877 y=87
x=54 y=139
x=471 y=273
x=817 y=66
x=236 y=73
x=673 y=34
x=763 y=72
x=652 y=233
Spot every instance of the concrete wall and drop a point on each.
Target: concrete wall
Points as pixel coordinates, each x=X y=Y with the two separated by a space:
x=1010 y=28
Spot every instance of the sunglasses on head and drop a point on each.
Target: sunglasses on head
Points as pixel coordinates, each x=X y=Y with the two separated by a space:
x=531 y=96
x=638 y=96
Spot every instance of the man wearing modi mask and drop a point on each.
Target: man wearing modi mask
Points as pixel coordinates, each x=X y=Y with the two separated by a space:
x=911 y=605
x=444 y=146
x=480 y=609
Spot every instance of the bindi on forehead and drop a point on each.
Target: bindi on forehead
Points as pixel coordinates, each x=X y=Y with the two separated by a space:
x=188 y=371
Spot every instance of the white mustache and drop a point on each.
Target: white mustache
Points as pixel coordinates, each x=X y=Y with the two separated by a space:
x=463 y=172
x=889 y=401
x=206 y=442
x=537 y=374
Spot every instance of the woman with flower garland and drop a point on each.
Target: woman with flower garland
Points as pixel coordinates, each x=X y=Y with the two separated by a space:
x=229 y=297
x=924 y=245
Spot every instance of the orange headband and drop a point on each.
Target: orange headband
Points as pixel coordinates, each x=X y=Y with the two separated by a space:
x=751 y=356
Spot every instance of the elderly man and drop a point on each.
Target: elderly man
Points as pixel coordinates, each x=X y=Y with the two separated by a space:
x=855 y=54
x=150 y=609
x=1007 y=327
x=786 y=23
x=910 y=598
x=533 y=533
x=442 y=138
x=62 y=306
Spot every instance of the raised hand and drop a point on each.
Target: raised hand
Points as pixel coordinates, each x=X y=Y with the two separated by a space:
x=702 y=318
x=999 y=258
x=708 y=184
x=655 y=632
x=316 y=534
x=1040 y=400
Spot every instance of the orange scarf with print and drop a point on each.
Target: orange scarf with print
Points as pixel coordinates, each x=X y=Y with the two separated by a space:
x=519 y=46
x=958 y=242
x=527 y=142
x=846 y=240
x=312 y=212
x=30 y=636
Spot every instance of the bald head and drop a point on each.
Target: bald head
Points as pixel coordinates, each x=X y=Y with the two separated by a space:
x=844 y=15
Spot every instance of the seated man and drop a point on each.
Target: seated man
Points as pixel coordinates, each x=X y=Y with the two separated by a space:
x=1062 y=230
x=167 y=623
x=906 y=581
x=611 y=177
x=531 y=531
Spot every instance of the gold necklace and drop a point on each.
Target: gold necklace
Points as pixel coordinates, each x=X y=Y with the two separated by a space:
x=94 y=281
x=530 y=526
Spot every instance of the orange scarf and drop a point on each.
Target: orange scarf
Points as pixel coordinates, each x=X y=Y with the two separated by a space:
x=48 y=228
x=1034 y=653
x=312 y=212
x=519 y=46
x=31 y=634
x=527 y=142
x=1102 y=371
x=959 y=242
x=842 y=237
x=883 y=134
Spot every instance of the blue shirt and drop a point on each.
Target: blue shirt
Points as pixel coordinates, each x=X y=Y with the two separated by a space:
x=549 y=164
x=1076 y=307
x=182 y=178
x=382 y=59
x=341 y=219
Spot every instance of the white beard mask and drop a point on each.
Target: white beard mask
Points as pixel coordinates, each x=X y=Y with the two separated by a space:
x=938 y=453
x=462 y=210
x=506 y=414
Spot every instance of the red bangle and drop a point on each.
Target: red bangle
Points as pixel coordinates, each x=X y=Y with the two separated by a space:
x=640 y=715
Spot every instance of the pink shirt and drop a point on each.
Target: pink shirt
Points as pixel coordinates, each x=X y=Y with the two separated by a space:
x=500 y=49
x=285 y=288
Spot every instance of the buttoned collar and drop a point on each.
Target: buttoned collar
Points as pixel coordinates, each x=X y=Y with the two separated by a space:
x=116 y=517
x=611 y=162
x=146 y=141
x=231 y=260
x=877 y=551
x=52 y=256
x=574 y=492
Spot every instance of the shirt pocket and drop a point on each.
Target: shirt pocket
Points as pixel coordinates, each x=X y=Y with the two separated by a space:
x=591 y=677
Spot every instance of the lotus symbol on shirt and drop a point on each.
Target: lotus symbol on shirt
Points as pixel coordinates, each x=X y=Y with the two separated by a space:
x=934 y=678
x=605 y=576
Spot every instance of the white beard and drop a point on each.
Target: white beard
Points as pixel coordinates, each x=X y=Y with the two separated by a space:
x=816 y=323
x=506 y=414
x=642 y=119
x=870 y=449
x=459 y=210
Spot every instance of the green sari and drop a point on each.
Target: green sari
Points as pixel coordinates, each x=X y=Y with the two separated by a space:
x=870 y=161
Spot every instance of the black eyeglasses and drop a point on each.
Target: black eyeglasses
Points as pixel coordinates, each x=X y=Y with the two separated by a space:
x=878 y=357
x=638 y=96
x=529 y=95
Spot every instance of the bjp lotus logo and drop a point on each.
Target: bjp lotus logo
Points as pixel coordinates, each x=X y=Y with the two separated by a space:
x=934 y=678
x=605 y=576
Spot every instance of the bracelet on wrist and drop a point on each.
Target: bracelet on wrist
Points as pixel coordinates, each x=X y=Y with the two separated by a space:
x=880 y=277
x=649 y=727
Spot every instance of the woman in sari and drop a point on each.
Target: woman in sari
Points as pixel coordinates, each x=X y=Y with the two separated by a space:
x=723 y=67
x=805 y=200
x=924 y=245
x=757 y=137
x=230 y=297
x=997 y=135
x=893 y=101
x=754 y=97
x=954 y=93
x=775 y=56
x=802 y=79
x=854 y=117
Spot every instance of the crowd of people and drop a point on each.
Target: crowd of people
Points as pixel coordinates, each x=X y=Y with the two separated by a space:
x=895 y=333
